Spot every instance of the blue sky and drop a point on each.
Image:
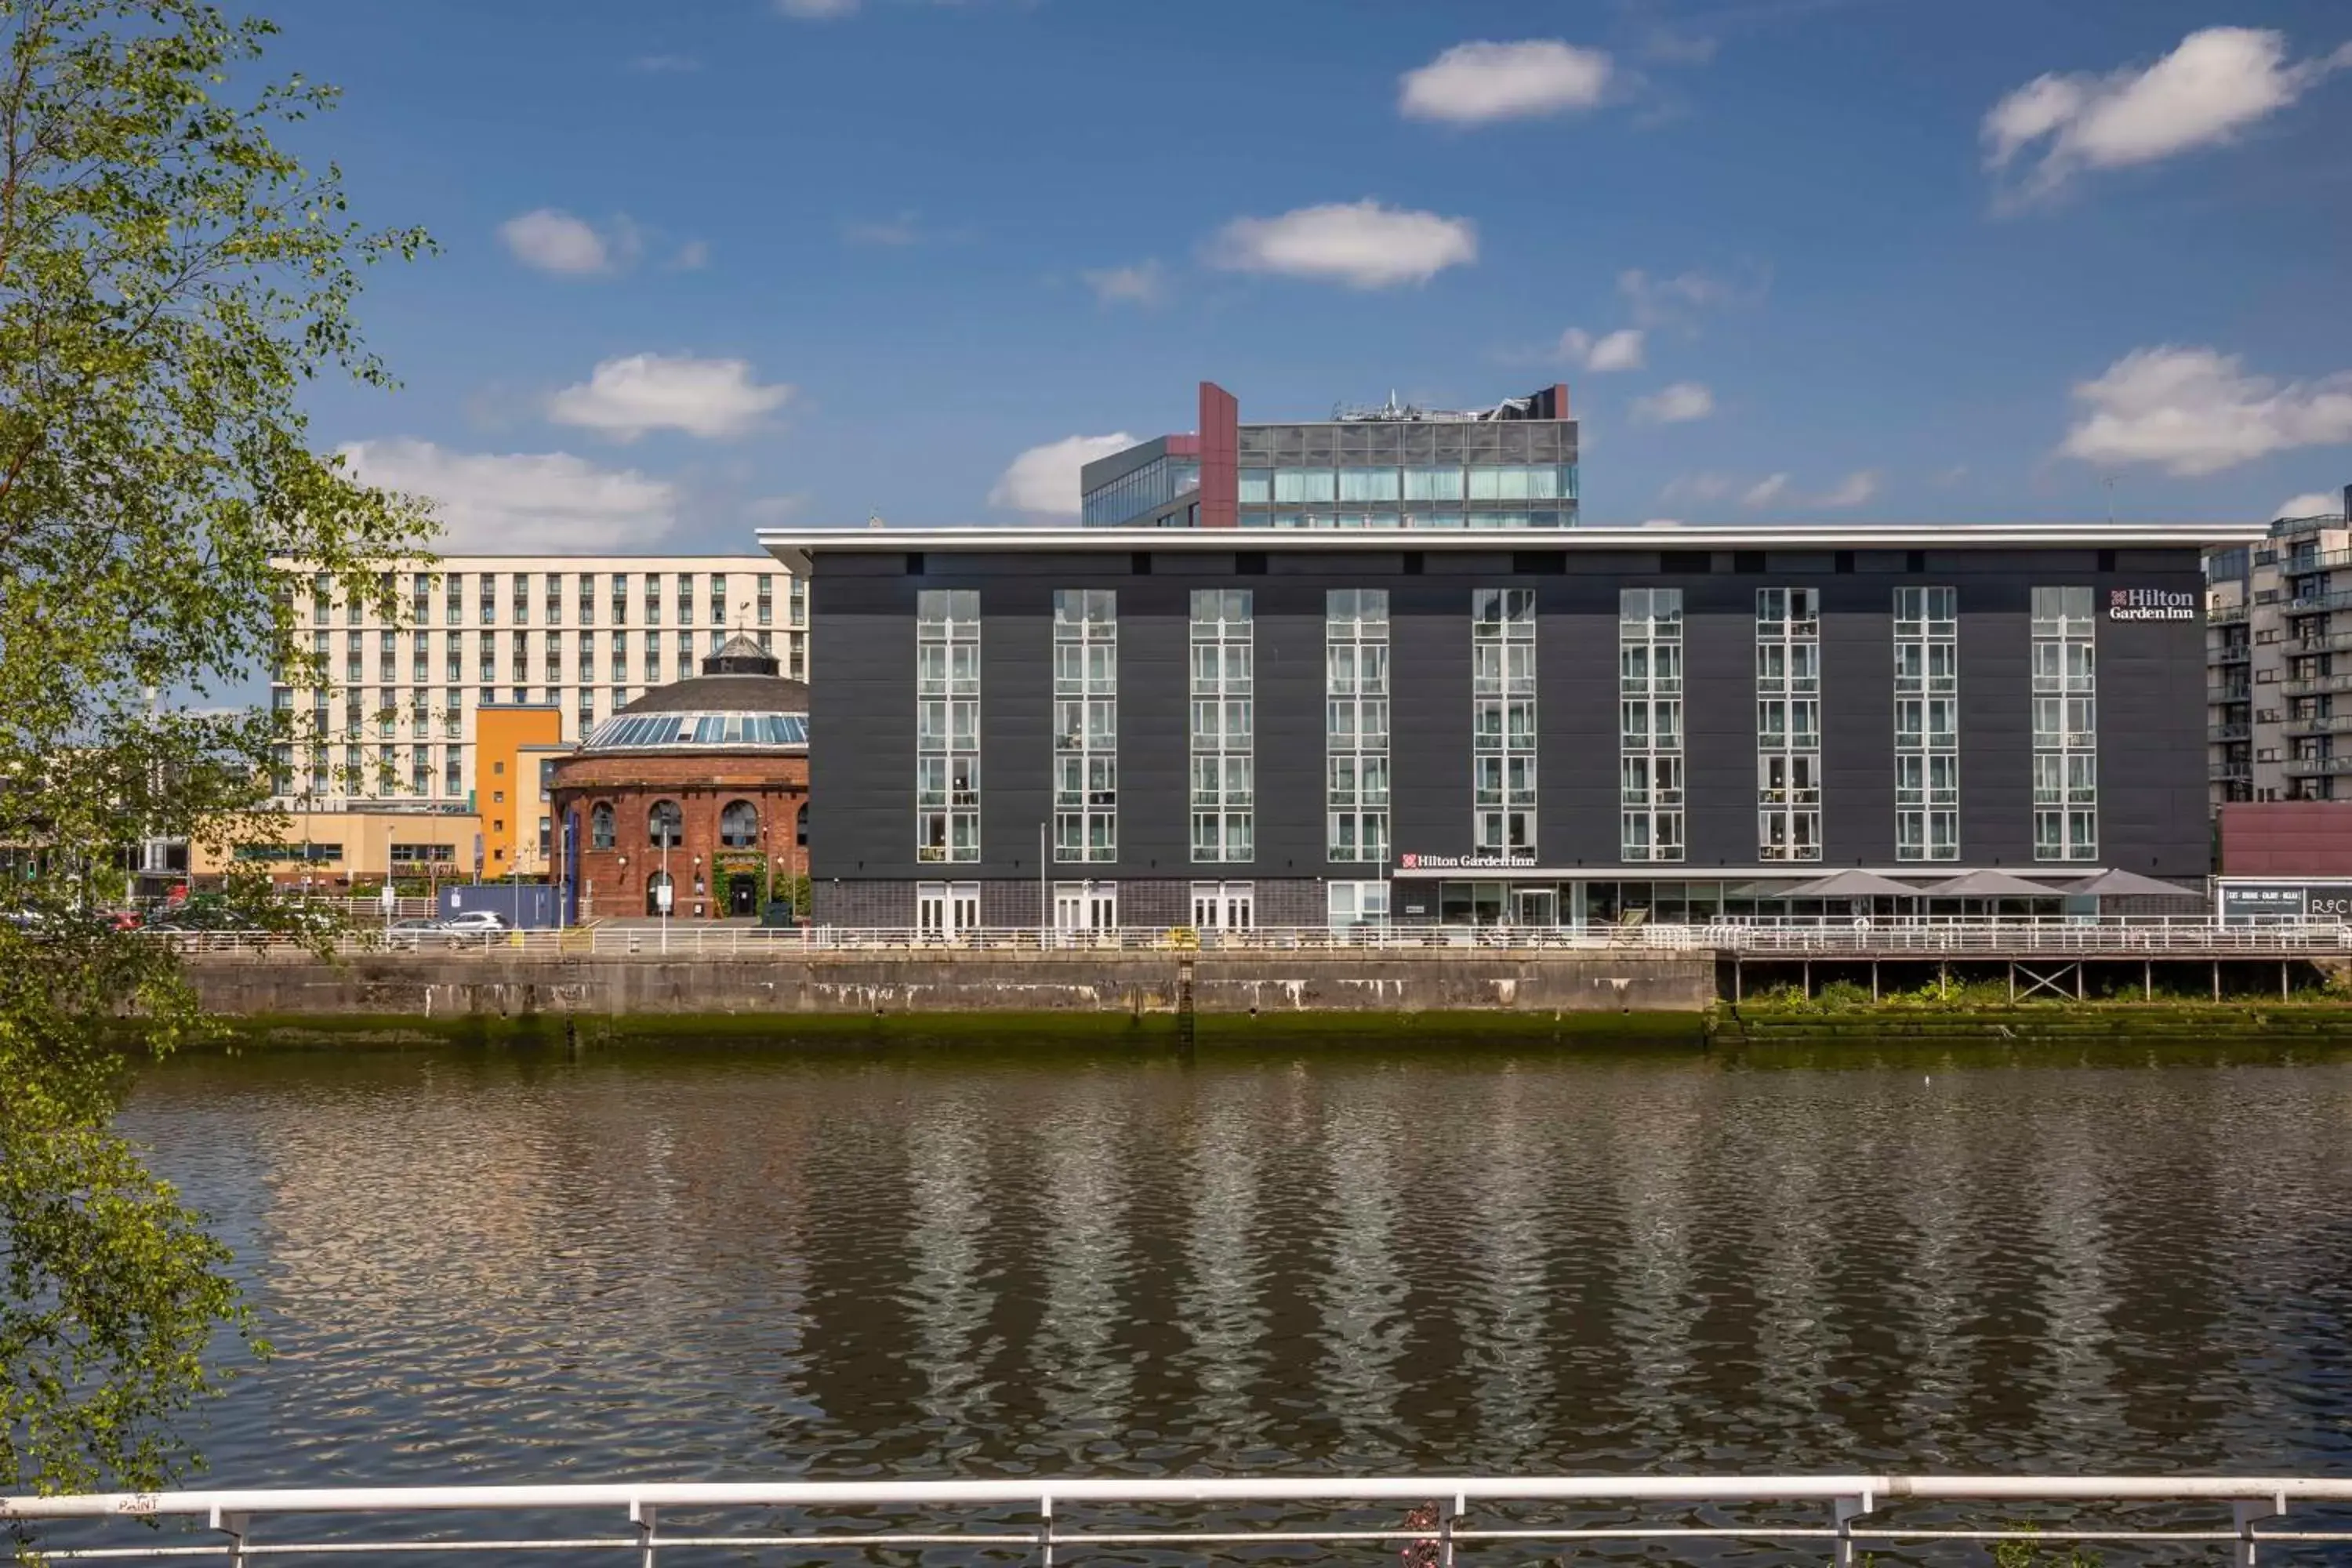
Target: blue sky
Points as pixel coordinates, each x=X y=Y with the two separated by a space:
x=719 y=263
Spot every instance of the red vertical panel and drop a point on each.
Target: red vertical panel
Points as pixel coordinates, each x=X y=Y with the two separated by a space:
x=1221 y=441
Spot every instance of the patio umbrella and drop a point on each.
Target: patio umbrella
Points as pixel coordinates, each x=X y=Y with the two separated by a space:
x=2129 y=885
x=1989 y=884
x=1852 y=885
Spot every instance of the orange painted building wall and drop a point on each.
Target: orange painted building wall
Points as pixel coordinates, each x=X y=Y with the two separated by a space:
x=506 y=785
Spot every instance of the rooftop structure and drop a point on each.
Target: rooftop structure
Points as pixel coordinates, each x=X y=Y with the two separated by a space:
x=1390 y=465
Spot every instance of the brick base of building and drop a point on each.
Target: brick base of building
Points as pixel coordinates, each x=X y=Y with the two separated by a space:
x=1006 y=903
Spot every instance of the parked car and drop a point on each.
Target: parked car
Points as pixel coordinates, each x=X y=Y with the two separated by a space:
x=477 y=922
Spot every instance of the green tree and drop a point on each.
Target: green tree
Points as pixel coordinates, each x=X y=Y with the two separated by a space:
x=170 y=280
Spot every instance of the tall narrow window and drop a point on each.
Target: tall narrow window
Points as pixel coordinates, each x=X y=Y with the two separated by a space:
x=1223 y=719
x=1788 y=724
x=1650 y=722
x=1356 y=722
x=1503 y=720
x=1086 y=724
x=1927 y=724
x=2065 y=727
x=947 y=729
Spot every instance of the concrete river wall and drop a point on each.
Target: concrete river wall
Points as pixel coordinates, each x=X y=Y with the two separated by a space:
x=286 y=984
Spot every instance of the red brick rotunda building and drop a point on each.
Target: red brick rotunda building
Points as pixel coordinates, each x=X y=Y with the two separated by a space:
x=700 y=786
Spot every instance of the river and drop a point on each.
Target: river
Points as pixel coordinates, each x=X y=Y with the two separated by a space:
x=696 y=1264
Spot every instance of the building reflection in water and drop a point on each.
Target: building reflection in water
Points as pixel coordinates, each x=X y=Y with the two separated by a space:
x=766 y=1264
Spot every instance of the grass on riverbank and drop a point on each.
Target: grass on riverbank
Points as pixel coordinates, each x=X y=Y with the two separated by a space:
x=1981 y=995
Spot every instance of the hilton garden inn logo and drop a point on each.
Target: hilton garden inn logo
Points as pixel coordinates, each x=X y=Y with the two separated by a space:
x=2151 y=605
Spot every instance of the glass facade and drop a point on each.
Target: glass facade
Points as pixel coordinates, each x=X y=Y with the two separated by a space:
x=1086 y=724
x=1788 y=724
x=1503 y=720
x=1356 y=722
x=946 y=724
x=1927 y=724
x=1135 y=495
x=2065 y=726
x=1650 y=722
x=1223 y=785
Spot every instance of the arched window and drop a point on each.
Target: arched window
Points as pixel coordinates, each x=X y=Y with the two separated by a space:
x=738 y=824
x=800 y=826
x=600 y=833
x=665 y=825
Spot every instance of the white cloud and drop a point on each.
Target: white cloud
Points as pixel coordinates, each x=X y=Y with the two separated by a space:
x=1853 y=491
x=692 y=256
x=1673 y=302
x=625 y=397
x=1361 y=243
x=2313 y=503
x=1684 y=400
x=1679 y=48
x=1701 y=487
x=1479 y=83
x=552 y=241
x=1145 y=283
x=2194 y=411
x=521 y=502
x=900 y=230
x=817 y=10
x=1766 y=490
x=1620 y=350
x=1044 y=481
x=2215 y=84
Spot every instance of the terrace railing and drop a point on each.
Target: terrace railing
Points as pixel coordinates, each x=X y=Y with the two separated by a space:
x=1426 y=1520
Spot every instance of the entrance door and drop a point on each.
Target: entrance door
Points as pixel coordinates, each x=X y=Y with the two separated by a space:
x=946 y=909
x=931 y=908
x=963 y=908
x=1535 y=906
x=742 y=894
x=657 y=893
x=1223 y=906
x=1086 y=908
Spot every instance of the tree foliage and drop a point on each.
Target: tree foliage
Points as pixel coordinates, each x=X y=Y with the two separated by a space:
x=171 y=279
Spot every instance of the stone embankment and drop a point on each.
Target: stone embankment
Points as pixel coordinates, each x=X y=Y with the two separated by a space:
x=441 y=992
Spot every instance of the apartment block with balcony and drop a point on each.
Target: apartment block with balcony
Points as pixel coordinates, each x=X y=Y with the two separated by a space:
x=2278 y=686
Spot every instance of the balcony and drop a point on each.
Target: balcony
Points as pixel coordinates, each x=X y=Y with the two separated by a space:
x=2315 y=767
x=2240 y=731
x=2225 y=614
x=2323 y=563
x=2326 y=642
x=2233 y=652
x=2318 y=604
x=2317 y=724
x=2229 y=694
x=2315 y=685
x=2229 y=773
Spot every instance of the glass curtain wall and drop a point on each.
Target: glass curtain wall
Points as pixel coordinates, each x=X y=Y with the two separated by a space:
x=1503 y=720
x=1650 y=722
x=1224 y=790
x=947 y=727
x=1788 y=724
x=1356 y=722
x=1086 y=724
x=2065 y=726
x=1927 y=724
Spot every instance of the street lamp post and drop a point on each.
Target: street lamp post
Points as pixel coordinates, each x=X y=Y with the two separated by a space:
x=668 y=894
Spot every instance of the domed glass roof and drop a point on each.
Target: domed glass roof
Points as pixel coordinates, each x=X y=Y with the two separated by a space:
x=737 y=704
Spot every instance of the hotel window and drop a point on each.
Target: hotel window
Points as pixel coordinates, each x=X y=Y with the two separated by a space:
x=1503 y=720
x=420 y=598
x=767 y=600
x=620 y=657
x=587 y=598
x=453 y=713
x=1650 y=722
x=522 y=598
x=555 y=598
x=453 y=599
x=719 y=598
x=1788 y=724
x=1086 y=724
x=2065 y=727
x=520 y=657
x=1356 y=722
x=620 y=598
x=420 y=771
x=554 y=656
x=489 y=598
x=1224 y=792
x=653 y=598
x=797 y=601
x=946 y=724
x=686 y=599
x=1927 y=724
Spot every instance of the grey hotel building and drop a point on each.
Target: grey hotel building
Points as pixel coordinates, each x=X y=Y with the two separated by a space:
x=1216 y=718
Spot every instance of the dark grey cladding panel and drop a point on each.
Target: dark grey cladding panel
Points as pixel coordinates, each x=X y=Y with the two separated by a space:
x=2129 y=562
x=862 y=700
x=1489 y=566
x=1798 y=564
x=1621 y=568
x=941 y=568
x=1375 y=564
x=1194 y=564
x=883 y=563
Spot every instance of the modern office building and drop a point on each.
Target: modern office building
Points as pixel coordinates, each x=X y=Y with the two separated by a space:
x=2279 y=663
x=583 y=635
x=1389 y=466
x=1166 y=726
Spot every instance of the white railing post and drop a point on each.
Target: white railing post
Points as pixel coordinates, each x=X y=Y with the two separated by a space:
x=641 y=1515
x=1843 y=1513
x=2243 y=1515
x=233 y=1526
x=1045 y=1530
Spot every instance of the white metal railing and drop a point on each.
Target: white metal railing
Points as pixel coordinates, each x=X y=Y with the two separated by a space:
x=2116 y=936
x=1034 y=1519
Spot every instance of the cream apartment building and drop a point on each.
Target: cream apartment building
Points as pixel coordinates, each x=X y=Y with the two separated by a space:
x=396 y=723
x=2278 y=690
